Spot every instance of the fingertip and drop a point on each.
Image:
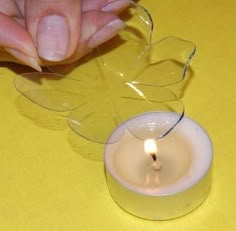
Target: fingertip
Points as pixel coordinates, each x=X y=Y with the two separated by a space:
x=115 y=6
x=54 y=27
x=24 y=59
x=105 y=33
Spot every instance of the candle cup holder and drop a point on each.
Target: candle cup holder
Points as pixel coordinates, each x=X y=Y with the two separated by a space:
x=183 y=181
x=121 y=79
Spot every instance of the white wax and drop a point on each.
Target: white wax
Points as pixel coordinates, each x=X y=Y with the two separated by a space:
x=185 y=155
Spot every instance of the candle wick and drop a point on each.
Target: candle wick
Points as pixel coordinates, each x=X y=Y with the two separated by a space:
x=153 y=172
x=156 y=162
x=154 y=157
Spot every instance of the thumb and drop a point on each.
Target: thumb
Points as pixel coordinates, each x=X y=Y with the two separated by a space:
x=54 y=27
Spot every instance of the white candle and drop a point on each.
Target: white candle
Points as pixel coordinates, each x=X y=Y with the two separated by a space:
x=173 y=185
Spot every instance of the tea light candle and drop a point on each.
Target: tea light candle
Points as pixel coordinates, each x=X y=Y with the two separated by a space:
x=159 y=179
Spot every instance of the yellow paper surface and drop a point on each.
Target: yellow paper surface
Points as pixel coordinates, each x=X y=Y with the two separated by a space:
x=53 y=180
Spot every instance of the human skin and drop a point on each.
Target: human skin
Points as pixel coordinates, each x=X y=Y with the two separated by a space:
x=49 y=32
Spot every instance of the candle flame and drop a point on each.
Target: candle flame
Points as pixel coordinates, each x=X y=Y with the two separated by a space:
x=150 y=146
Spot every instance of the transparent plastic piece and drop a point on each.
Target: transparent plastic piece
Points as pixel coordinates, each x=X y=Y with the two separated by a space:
x=121 y=79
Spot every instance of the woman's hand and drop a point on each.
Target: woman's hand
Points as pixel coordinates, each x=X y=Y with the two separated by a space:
x=49 y=32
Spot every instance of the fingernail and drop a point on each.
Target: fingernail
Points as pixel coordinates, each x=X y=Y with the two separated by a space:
x=106 y=32
x=115 y=5
x=27 y=60
x=53 y=38
x=34 y=64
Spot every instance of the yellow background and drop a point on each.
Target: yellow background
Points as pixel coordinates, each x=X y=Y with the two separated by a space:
x=53 y=180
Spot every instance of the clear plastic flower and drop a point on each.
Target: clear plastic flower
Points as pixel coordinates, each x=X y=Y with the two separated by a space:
x=122 y=78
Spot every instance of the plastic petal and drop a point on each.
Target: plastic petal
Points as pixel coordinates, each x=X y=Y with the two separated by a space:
x=137 y=100
x=130 y=43
x=95 y=121
x=164 y=63
x=51 y=91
